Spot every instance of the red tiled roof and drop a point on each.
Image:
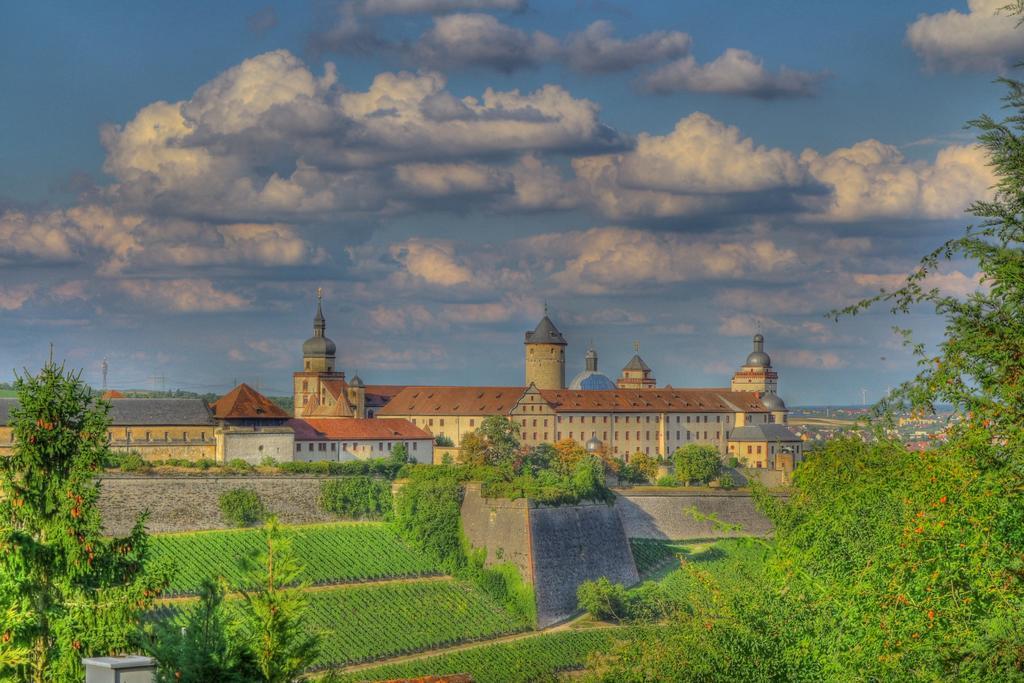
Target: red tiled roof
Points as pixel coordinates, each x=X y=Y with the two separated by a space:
x=356 y=429
x=244 y=402
x=652 y=400
x=453 y=401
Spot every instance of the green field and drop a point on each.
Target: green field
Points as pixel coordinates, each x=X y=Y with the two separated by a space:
x=729 y=562
x=650 y=554
x=370 y=621
x=536 y=658
x=7 y=393
x=330 y=553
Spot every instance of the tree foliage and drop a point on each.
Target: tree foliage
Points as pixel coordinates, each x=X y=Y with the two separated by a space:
x=696 y=463
x=67 y=590
x=206 y=647
x=887 y=564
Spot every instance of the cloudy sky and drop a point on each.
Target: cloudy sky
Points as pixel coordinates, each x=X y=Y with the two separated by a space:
x=177 y=180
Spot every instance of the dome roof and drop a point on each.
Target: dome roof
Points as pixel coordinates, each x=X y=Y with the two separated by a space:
x=759 y=359
x=772 y=401
x=591 y=380
x=318 y=347
x=594 y=444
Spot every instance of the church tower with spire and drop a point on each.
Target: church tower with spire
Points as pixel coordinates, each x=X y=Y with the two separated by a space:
x=318 y=363
x=545 y=355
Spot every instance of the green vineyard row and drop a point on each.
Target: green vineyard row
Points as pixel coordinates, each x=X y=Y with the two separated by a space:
x=527 y=660
x=362 y=623
x=329 y=553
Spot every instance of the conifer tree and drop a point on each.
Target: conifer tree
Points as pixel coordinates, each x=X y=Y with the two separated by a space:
x=69 y=591
x=273 y=614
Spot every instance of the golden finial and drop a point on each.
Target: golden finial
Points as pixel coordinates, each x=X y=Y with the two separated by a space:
x=636 y=347
x=319 y=293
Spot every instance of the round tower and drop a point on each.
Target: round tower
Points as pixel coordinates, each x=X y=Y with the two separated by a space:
x=545 y=355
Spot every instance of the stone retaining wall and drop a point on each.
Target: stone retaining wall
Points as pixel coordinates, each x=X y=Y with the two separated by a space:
x=666 y=514
x=190 y=502
x=555 y=547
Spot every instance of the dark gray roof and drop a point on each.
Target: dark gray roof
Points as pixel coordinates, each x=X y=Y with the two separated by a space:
x=318 y=347
x=765 y=432
x=636 y=363
x=759 y=359
x=546 y=333
x=131 y=412
x=772 y=401
x=160 y=411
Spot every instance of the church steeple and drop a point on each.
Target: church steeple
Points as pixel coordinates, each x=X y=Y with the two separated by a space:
x=318 y=351
x=319 y=322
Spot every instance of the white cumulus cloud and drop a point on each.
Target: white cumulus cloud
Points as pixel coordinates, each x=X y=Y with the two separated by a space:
x=986 y=38
x=735 y=72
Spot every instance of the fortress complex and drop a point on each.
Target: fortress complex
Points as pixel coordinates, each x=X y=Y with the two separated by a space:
x=625 y=416
x=337 y=418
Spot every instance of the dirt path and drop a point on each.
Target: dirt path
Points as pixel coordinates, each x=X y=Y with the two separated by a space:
x=564 y=626
x=180 y=599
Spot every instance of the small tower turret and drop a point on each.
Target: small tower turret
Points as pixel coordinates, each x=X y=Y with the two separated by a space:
x=357 y=396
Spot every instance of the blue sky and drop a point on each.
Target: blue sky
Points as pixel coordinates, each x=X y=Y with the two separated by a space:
x=176 y=181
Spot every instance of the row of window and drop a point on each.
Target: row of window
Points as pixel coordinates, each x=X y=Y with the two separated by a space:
x=322 y=446
x=148 y=436
x=583 y=436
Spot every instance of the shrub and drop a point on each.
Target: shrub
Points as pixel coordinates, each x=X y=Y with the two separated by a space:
x=732 y=462
x=239 y=465
x=667 y=480
x=131 y=462
x=503 y=583
x=427 y=511
x=241 y=507
x=603 y=599
x=357 y=497
x=444 y=441
x=726 y=481
x=268 y=461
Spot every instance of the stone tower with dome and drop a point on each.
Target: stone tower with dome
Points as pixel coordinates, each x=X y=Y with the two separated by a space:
x=318 y=363
x=545 y=355
x=757 y=375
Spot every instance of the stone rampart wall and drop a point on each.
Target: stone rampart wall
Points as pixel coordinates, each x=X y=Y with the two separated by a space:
x=500 y=525
x=190 y=502
x=573 y=544
x=555 y=548
x=667 y=515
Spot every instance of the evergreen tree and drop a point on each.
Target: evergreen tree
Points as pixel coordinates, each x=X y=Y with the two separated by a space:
x=69 y=592
x=273 y=614
x=207 y=647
